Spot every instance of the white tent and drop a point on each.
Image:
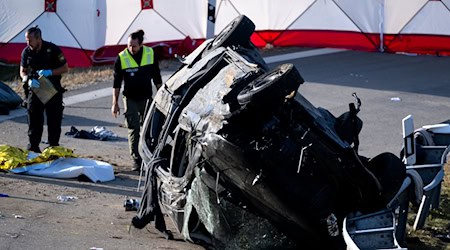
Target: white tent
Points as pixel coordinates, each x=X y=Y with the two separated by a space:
x=339 y=23
x=166 y=22
x=69 y=24
x=92 y=31
x=89 y=30
x=414 y=26
x=418 y=26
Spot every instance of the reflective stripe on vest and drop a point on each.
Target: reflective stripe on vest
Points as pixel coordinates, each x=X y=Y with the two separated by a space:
x=127 y=61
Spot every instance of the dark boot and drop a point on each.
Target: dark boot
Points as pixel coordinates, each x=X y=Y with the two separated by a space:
x=35 y=149
x=137 y=165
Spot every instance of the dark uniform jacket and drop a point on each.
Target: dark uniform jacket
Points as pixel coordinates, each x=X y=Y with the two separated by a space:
x=137 y=81
x=49 y=56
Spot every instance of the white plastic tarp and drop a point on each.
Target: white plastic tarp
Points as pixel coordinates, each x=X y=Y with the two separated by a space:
x=67 y=168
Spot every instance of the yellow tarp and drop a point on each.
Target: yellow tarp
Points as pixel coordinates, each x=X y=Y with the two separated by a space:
x=13 y=157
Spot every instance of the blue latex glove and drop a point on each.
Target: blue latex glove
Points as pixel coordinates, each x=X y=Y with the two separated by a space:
x=33 y=83
x=45 y=72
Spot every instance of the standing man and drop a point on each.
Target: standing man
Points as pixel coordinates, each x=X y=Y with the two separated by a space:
x=136 y=66
x=42 y=58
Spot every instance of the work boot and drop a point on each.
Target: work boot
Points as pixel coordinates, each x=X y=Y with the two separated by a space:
x=137 y=165
x=35 y=149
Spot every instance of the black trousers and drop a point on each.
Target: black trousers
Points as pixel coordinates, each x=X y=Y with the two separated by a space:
x=53 y=111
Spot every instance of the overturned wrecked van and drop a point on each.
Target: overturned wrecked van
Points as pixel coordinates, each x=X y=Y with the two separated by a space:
x=236 y=157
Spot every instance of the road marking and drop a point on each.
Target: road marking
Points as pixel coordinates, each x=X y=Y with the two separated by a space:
x=92 y=95
x=13 y=114
x=100 y=93
x=301 y=54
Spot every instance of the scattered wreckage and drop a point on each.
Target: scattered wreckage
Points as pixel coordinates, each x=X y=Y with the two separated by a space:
x=229 y=142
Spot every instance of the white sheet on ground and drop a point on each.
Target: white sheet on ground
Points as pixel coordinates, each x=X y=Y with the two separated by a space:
x=65 y=168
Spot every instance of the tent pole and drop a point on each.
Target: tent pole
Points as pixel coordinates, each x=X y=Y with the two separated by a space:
x=211 y=22
x=381 y=13
x=28 y=25
x=125 y=32
x=75 y=38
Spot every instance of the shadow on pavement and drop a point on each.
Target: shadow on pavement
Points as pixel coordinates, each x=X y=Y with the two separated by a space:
x=122 y=185
x=70 y=120
x=422 y=74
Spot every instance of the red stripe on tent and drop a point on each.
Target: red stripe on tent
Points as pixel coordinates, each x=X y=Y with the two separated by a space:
x=77 y=57
x=258 y=40
x=106 y=54
x=11 y=53
x=163 y=50
x=320 y=38
x=418 y=44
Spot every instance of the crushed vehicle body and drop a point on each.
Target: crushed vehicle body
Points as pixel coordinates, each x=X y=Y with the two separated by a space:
x=228 y=142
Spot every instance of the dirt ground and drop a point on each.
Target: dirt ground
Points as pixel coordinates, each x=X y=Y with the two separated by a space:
x=33 y=217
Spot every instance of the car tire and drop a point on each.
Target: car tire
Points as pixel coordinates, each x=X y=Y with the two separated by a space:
x=237 y=32
x=390 y=173
x=272 y=86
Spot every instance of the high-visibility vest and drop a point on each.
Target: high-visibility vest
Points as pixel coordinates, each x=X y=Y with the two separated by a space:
x=127 y=61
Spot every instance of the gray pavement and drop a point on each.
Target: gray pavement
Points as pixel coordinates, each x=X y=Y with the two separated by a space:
x=420 y=82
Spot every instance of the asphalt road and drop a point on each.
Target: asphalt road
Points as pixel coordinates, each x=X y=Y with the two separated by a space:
x=420 y=83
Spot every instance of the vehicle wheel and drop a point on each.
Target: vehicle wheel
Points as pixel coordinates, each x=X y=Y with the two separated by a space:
x=237 y=32
x=390 y=172
x=272 y=86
